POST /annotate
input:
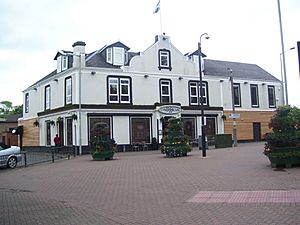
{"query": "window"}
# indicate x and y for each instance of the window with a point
(119, 90)
(194, 89)
(47, 97)
(164, 58)
(271, 96)
(119, 56)
(140, 130)
(62, 63)
(189, 127)
(165, 91)
(109, 55)
(68, 90)
(237, 95)
(254, 95)
(26, 102)
(99, 125)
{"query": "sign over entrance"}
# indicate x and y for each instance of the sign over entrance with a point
(170, 109)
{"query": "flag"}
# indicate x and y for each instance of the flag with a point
(157, 7)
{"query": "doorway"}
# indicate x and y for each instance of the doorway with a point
(256, 131)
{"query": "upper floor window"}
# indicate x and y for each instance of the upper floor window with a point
(194, 92)
(119, 90)
(47, 97)
(165, 91)
(26, 102)
(68, 90)
(237, 95)
(271, 96)
(164, 59)
(254, 95)
(115, 56)
(62, 63)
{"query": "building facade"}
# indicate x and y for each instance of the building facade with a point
(134, 93)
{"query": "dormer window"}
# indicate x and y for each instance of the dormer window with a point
(115, 56)
(164, 59)
(109, 55)
(62, 63)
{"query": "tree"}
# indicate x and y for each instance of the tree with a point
(7, 109)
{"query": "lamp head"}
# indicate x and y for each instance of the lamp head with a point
(207, 37)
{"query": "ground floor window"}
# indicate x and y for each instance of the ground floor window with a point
(140, 129)
(99, 125)
(210, 128)
(61, 132)
(189, 127)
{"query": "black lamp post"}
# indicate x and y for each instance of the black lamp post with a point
(201, 97)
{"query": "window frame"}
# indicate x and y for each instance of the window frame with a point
(26, 105)
(274, 96)
(196, 85)
(119, 89)
(109, 55)
(68, 101)
(238, 86)
(164, 53)
(252, 87)
(161, 94)
(47, 100)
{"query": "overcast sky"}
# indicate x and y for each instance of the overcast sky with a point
(240, 30)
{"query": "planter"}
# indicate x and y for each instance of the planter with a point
(103, 155)
(284, 157)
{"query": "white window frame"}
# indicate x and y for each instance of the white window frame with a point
(59, 64)
(196, 85)
(113, 81)
(109, 55)
(274, 97)
(47, 97)
(164, 54)
(254, 86)
(119, 56)
(124, 82)
(165, 83)
(237, 86)
(68, 90)
(27, 103)
(64, 62)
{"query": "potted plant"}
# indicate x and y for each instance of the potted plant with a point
(283, 144)
(102, 146)
(175, 143)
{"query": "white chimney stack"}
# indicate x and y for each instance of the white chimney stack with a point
(79, 54)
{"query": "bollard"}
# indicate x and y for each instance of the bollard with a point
(25, 159)
(53, 156)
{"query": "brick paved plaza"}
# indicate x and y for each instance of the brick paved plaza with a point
(229, 186)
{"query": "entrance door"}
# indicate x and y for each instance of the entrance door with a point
(256, 131)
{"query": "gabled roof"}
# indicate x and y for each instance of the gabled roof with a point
(195, 53)
(239, 70)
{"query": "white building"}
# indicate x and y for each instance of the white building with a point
(133, 94)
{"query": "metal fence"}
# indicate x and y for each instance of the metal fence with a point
(33, 156)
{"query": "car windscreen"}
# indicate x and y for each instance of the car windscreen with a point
(3, 146)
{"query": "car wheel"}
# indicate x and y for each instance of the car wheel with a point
(12, 162)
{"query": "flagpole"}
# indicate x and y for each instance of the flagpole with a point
(160, 18)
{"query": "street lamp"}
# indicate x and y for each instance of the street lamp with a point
(201, 97)
(234, 133)
(283, 76)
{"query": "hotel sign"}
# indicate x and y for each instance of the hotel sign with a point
(170, 109)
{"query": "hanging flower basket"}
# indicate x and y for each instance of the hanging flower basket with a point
(36, 123)
(59, 120)
(74, 117)
(52, 122)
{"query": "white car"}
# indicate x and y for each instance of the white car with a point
(10, 155)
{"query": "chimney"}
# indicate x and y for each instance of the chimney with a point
(79, 54)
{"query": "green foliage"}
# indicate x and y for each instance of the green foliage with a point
(175, 143)
(7, 109)
(102, 142)
(286, 128)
